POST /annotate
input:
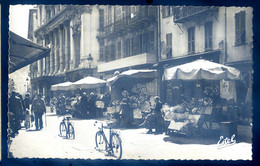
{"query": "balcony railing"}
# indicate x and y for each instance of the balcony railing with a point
(129, 21)
(186, 13)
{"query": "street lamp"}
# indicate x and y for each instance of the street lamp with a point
(27, 81)
(89, 59)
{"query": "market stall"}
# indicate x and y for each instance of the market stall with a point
(202, 99)
(68, 95)
(141, 86)
(61, 86)
(88, 83)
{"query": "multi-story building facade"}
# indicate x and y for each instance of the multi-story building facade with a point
(119, 38)
(128, 39)
(70, 32)
(219, 34)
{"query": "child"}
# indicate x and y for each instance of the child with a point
(27, 119)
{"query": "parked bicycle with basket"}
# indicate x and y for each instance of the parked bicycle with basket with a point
(66, 128)
(113, 145)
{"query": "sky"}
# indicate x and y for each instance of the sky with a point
(18, 22)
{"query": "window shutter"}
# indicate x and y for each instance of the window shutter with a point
(243, 26)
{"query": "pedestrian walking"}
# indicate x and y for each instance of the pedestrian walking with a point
(38, 108)
(23, 106)
(27, 101)
(14, 114)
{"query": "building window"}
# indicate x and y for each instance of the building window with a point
(101, 53)
(134, 10)
(240, 25)
(118, 13)
(127, 48)
(169, 45)
(145, 43)
(191, 40)
(106, 53)
(208, 35)
(109, 19)
(48, 14)
(112, 52)
(101, 18)
(140, 43)
(166, 11)
(152, 42)
(119, 49)
(137, 44)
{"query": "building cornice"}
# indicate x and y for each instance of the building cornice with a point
(66, 14)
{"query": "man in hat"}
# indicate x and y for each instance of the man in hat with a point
(154, 119)
(38, 108)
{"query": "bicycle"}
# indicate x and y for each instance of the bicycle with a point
(113, 146)
(66, 128)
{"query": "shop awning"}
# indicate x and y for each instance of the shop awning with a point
(133, 74)
(201, 69)
(61, 86)
(88, 83)
(23, 52)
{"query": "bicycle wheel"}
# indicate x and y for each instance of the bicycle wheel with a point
(116, 144)
(63, 129)
(71, 132)
(101, 142)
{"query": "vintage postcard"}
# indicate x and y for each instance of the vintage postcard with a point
(130, 82)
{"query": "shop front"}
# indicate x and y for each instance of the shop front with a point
(201, 98)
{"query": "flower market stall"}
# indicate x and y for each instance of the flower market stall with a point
(141, 86)
(200, 104)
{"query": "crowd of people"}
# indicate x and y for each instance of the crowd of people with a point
(94, 105)
(20, 112)
(82, 106)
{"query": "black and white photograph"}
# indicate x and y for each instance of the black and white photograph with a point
(137, 82)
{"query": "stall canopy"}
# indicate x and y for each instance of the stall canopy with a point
(88, 83)
(23, 52)
(201, 69)
(133, 74)
(61, 86)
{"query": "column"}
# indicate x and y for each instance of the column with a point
(47, 59)
(51, 52)
(43, 59)
(56, 53)
(72, 53)
(67, 46)
(61, 50)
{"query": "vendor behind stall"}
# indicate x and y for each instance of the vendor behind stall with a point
(154, 119)
(127, 112)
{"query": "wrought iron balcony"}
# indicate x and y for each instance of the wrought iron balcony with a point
(186, 13)
(130, 21)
